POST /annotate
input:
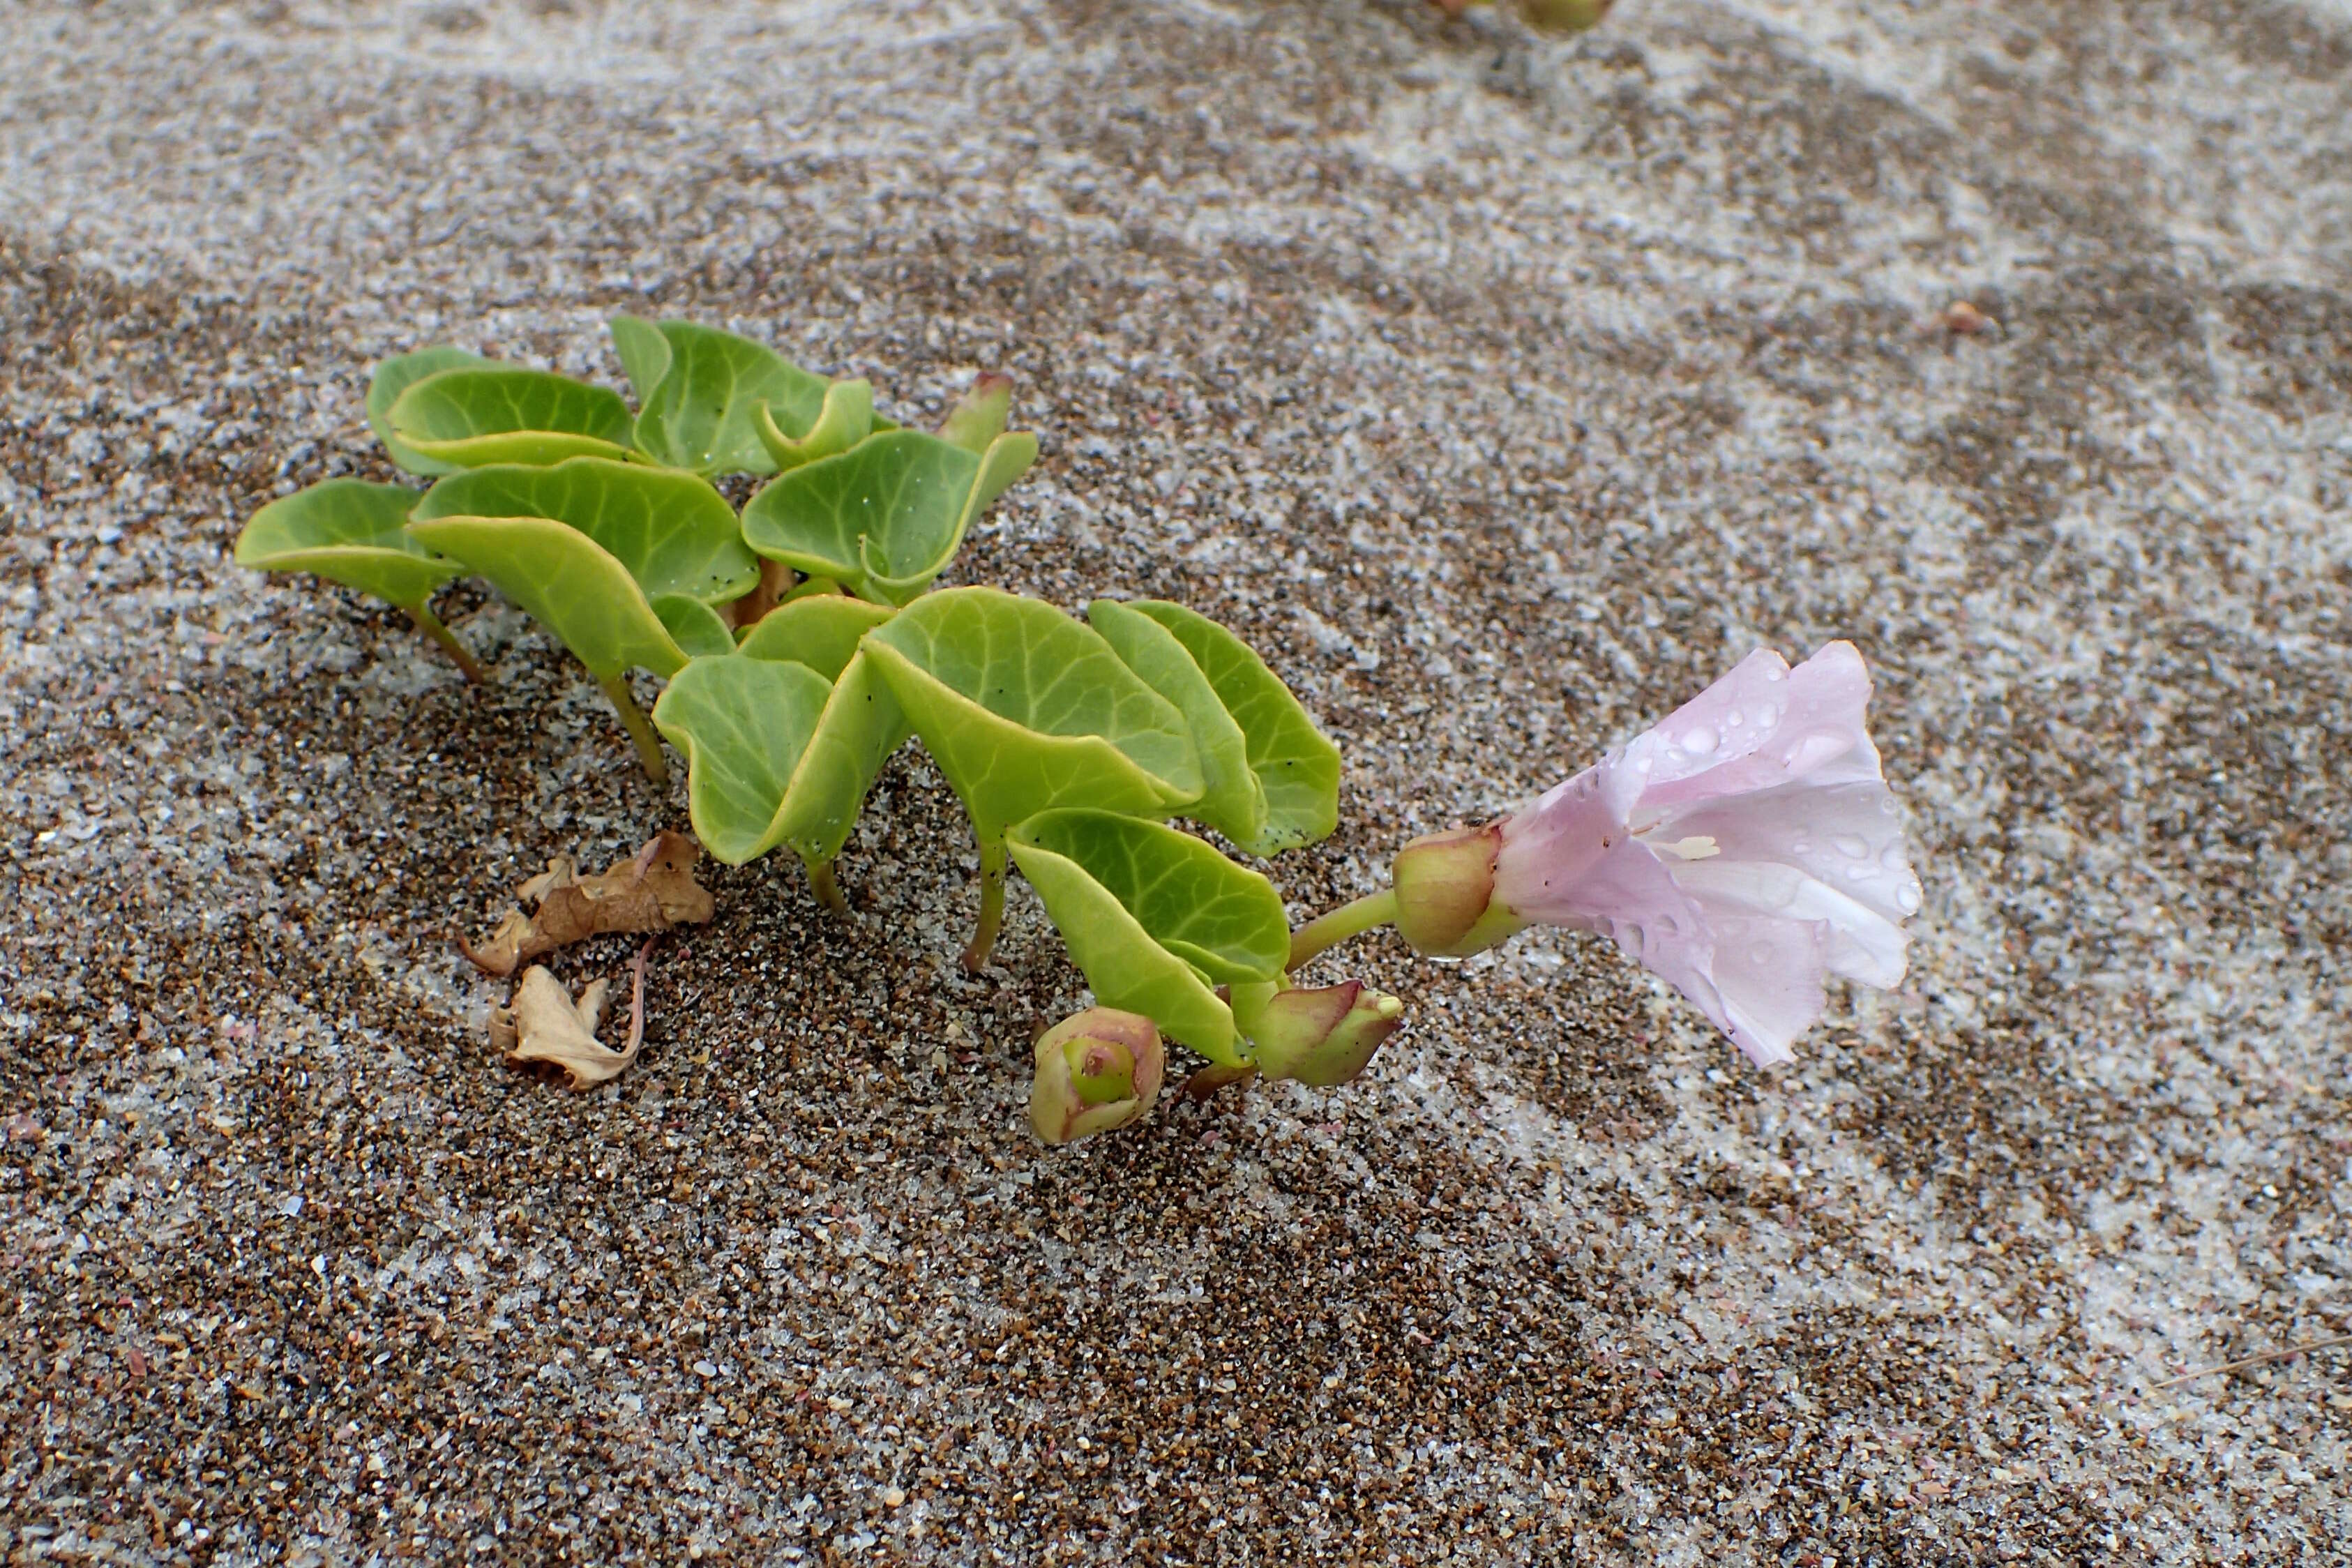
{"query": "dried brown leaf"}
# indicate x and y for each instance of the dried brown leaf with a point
(545, 1027)
(650, 893)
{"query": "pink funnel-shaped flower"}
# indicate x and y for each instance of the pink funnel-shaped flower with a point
(1741, 850)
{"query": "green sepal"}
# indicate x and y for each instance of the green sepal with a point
(1272, 778)
(470, 416)
(1155, 918)
(396, 376)
(350, 532)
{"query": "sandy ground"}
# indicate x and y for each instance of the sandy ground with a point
(1505, 392)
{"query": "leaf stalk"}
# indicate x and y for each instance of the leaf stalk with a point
(641, 731)
(1328, 930)
(430, 625)
(991, 906)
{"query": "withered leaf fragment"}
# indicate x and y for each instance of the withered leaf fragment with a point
(650, 893)
(545, 1026)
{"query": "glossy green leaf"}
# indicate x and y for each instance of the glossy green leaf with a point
(743, 724)
(884, 518)
(565, 581)
(821, 631)
(1272, 778)
(468, 416)
(350, 532)
(768, 764)
(845, 418)
(699, 404)
(694, 626)
(670, 531)
(644, 354)
(396, 376)
(1155, 918)
(1025, 709)
(862, 726)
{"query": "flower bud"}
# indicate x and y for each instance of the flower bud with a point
(1324, 1035)
(1563, 16)
(1096, 1070)
(1445, 893)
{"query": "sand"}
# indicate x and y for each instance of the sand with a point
(1505, 392)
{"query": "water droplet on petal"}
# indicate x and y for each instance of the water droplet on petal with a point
(1761, 952)
(1892, 856)
(1802, 846)
(1701, 741)
(1857, 873)
(1851, 848)
(1887, 805)
(1907, 897)
(1735, 719)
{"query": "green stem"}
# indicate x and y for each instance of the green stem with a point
(640, 730)
(827, 890)
(991, 905)
(1348, 919)
(430, 625)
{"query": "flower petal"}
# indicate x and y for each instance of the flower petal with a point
(1767, 975)
(1854, 940)
(1813, 728)
(1848, 836)
(1721, 725)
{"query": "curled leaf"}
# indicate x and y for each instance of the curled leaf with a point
(396, 376)
(1024, 708)
(544, 1027)
(472, 415)
(650, 892)
(843, 420)
(884, 518)
(351, 532)
(783, 738)
(710, 401)
(1155, 918)
(590, 547)
(1272, 777)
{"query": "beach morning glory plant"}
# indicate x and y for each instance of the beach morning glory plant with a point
(1743, 850)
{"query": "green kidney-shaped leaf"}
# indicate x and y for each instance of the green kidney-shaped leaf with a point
(821, 631)
(1154, 918)
(884, 518)
(470, 416)
(769, 762)
(351, 532)
(1026, 710)
(568, 582)
(702, 396)
(396, 376)
(845, 418)
(1272, 778)
(669, 531)
(694, 626)
(743, 724)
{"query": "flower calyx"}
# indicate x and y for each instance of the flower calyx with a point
(1446, 904)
